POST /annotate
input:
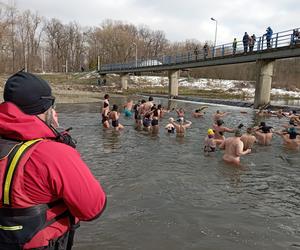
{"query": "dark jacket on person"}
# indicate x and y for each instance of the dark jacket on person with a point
(269, 33)
(246, 38)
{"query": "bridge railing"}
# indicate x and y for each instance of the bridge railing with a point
(278, 40)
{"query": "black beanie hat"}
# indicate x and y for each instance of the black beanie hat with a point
(29, 92)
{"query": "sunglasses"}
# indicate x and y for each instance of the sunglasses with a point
(52, 98)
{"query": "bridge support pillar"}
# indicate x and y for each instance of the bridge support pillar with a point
(173, 76)
(263, 82)
(124, 81)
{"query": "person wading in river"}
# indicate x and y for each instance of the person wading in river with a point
(114, 115)
(219, 115)
(105, 112)
(234, 148)
(47, 188)
(290, 138)
(181, 126)
(248, 139)
(219, 130)
(210, 143)
(264, 134)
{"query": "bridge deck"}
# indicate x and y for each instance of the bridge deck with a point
(284, 44)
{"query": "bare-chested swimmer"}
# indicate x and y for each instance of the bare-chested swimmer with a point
(248, 139)
(128, 108)
(148, 105)
(180, 114)
(219, 115)
(137, 115)
(181, 126)
(170, 127)
(234, 148)
(264, 134)
(290, 137)
(198, 112)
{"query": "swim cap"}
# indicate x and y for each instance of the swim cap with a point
(262, 124)
(210, 132)
(180, 119)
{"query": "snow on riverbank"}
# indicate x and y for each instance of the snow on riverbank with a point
(234, 86)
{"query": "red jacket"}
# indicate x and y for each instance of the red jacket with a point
(53, 171)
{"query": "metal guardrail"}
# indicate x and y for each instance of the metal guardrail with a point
(278, 40)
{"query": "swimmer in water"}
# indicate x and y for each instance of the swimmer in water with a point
(264, 134)
(106, 100)
(170, 127)
(114, 115)
(290, 138)
(105, 112)
(147, 121)
(128, 108)
(180, 113)
(248, 139)
(197, 113)
(234, 148)
(138, 116)
(220, 130)
(210, 143)
(155, 117)
(181, 126)
(219, 115)
(148, 105)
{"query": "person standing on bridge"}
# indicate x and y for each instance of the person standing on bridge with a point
(196, 52)
(234, 46)
(295, 36)
(205, 50)
(269, 36)
(252, 41)
(246, 39)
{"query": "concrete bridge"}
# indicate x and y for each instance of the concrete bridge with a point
(285, 44)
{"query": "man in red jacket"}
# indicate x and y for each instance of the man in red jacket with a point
(45, 187)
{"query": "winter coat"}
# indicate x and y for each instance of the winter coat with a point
(53, 171)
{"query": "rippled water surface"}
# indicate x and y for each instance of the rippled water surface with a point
(163, 193)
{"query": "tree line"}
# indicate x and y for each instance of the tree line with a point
(31, 41)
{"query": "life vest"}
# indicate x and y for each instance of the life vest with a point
(19, 225)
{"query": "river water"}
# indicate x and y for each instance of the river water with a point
(163, 193)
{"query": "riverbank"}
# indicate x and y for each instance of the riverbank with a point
(83, 87)
(69, 88)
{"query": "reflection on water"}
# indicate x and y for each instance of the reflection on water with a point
(163, 193)
(111, 141)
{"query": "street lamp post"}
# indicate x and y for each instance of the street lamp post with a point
(215, 33)
(135, 54)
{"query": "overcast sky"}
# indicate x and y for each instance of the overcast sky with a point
(180, 20)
